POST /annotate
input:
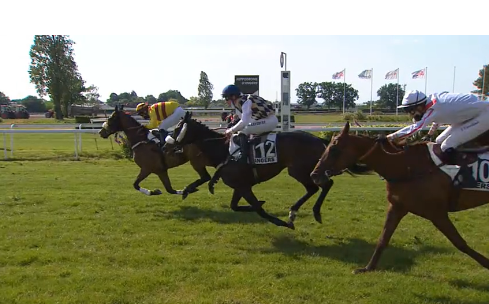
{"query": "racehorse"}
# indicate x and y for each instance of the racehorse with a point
(418, 181)
(297, 151)
(150, 159)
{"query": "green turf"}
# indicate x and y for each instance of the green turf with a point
(77, 232)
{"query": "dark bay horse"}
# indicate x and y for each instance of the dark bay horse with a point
(150, 159)
(297, 151)
(418, 181)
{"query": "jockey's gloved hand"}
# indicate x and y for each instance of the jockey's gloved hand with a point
(381, 138)
(427, 138)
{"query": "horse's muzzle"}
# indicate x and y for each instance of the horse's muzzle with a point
(320, 179)
(104, 133)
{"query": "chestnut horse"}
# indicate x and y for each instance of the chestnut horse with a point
(417, 182)
(150, 159)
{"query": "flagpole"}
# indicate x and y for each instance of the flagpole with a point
(397, 93)
(371, 89)
(453, 88)
(425, 80)
(483, 97)
(344, 90)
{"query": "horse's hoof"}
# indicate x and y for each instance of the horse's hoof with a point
(185, 194)
(360, 270)
(318, 217)
(211, 189)
(291, 225)
(156, 192)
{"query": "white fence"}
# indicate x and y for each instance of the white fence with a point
(96, 128)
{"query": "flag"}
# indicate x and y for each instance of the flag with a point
(418, 74)
(392, 74)
(367, 74)
(339, 75)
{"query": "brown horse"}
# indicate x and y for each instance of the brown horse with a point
(150, 159)
(297, 151)
(418, 181)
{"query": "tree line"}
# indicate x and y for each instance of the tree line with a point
(54, 73)
(333, 93)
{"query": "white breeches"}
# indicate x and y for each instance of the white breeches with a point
(260, 126)
(173, 119)
(456, 135)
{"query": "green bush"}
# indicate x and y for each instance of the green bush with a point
(126, 150)
(82, 119)
(417, 136)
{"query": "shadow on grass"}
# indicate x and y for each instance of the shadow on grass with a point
(475, 286)
(352, 251)
(446, 300)
(225, 216)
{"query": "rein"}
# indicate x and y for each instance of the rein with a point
(397, 180)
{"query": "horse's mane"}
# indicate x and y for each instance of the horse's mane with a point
(402, 144)
(206, 128)
(141, 130)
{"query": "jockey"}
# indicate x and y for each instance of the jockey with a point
(162, 115)
(257, 116)
(467, 116)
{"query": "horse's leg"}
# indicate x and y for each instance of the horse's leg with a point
(250, 197)
(235, 200)
(199, 167)
(141, 176)
(216, 176)
(303, 177)
(163, 175)
(394, 216)
(319, 202)
(445, 225)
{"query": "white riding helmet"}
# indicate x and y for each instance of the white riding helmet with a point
(412, 98)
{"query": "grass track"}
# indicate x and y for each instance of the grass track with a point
(76, 232)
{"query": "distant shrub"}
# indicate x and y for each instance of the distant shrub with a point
(82, 119)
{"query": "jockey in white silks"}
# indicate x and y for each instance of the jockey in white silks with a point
(467, 115)
(256, 114)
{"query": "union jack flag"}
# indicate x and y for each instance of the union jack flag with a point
(339, 75)
(392, 74)
(418, 74)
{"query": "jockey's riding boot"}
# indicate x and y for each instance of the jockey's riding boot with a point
(449, 156)
(163, 134)
(243, 144)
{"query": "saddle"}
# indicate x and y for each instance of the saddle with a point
(253, 139)
(463, 156)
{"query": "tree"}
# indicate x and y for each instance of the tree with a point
(92, 96)
(113, 99)
(150, 99)
(4, 99)
(333, 94)
(53, 69)
(478, 82)
(33, 104)
(307, 93)
(193, 102)
(172, 94)
(205, 90)
(389, 96)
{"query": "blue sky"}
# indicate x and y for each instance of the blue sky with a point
(154, 64)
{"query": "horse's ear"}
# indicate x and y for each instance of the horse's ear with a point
(116, 108)
(346, 128)
(121, 108)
